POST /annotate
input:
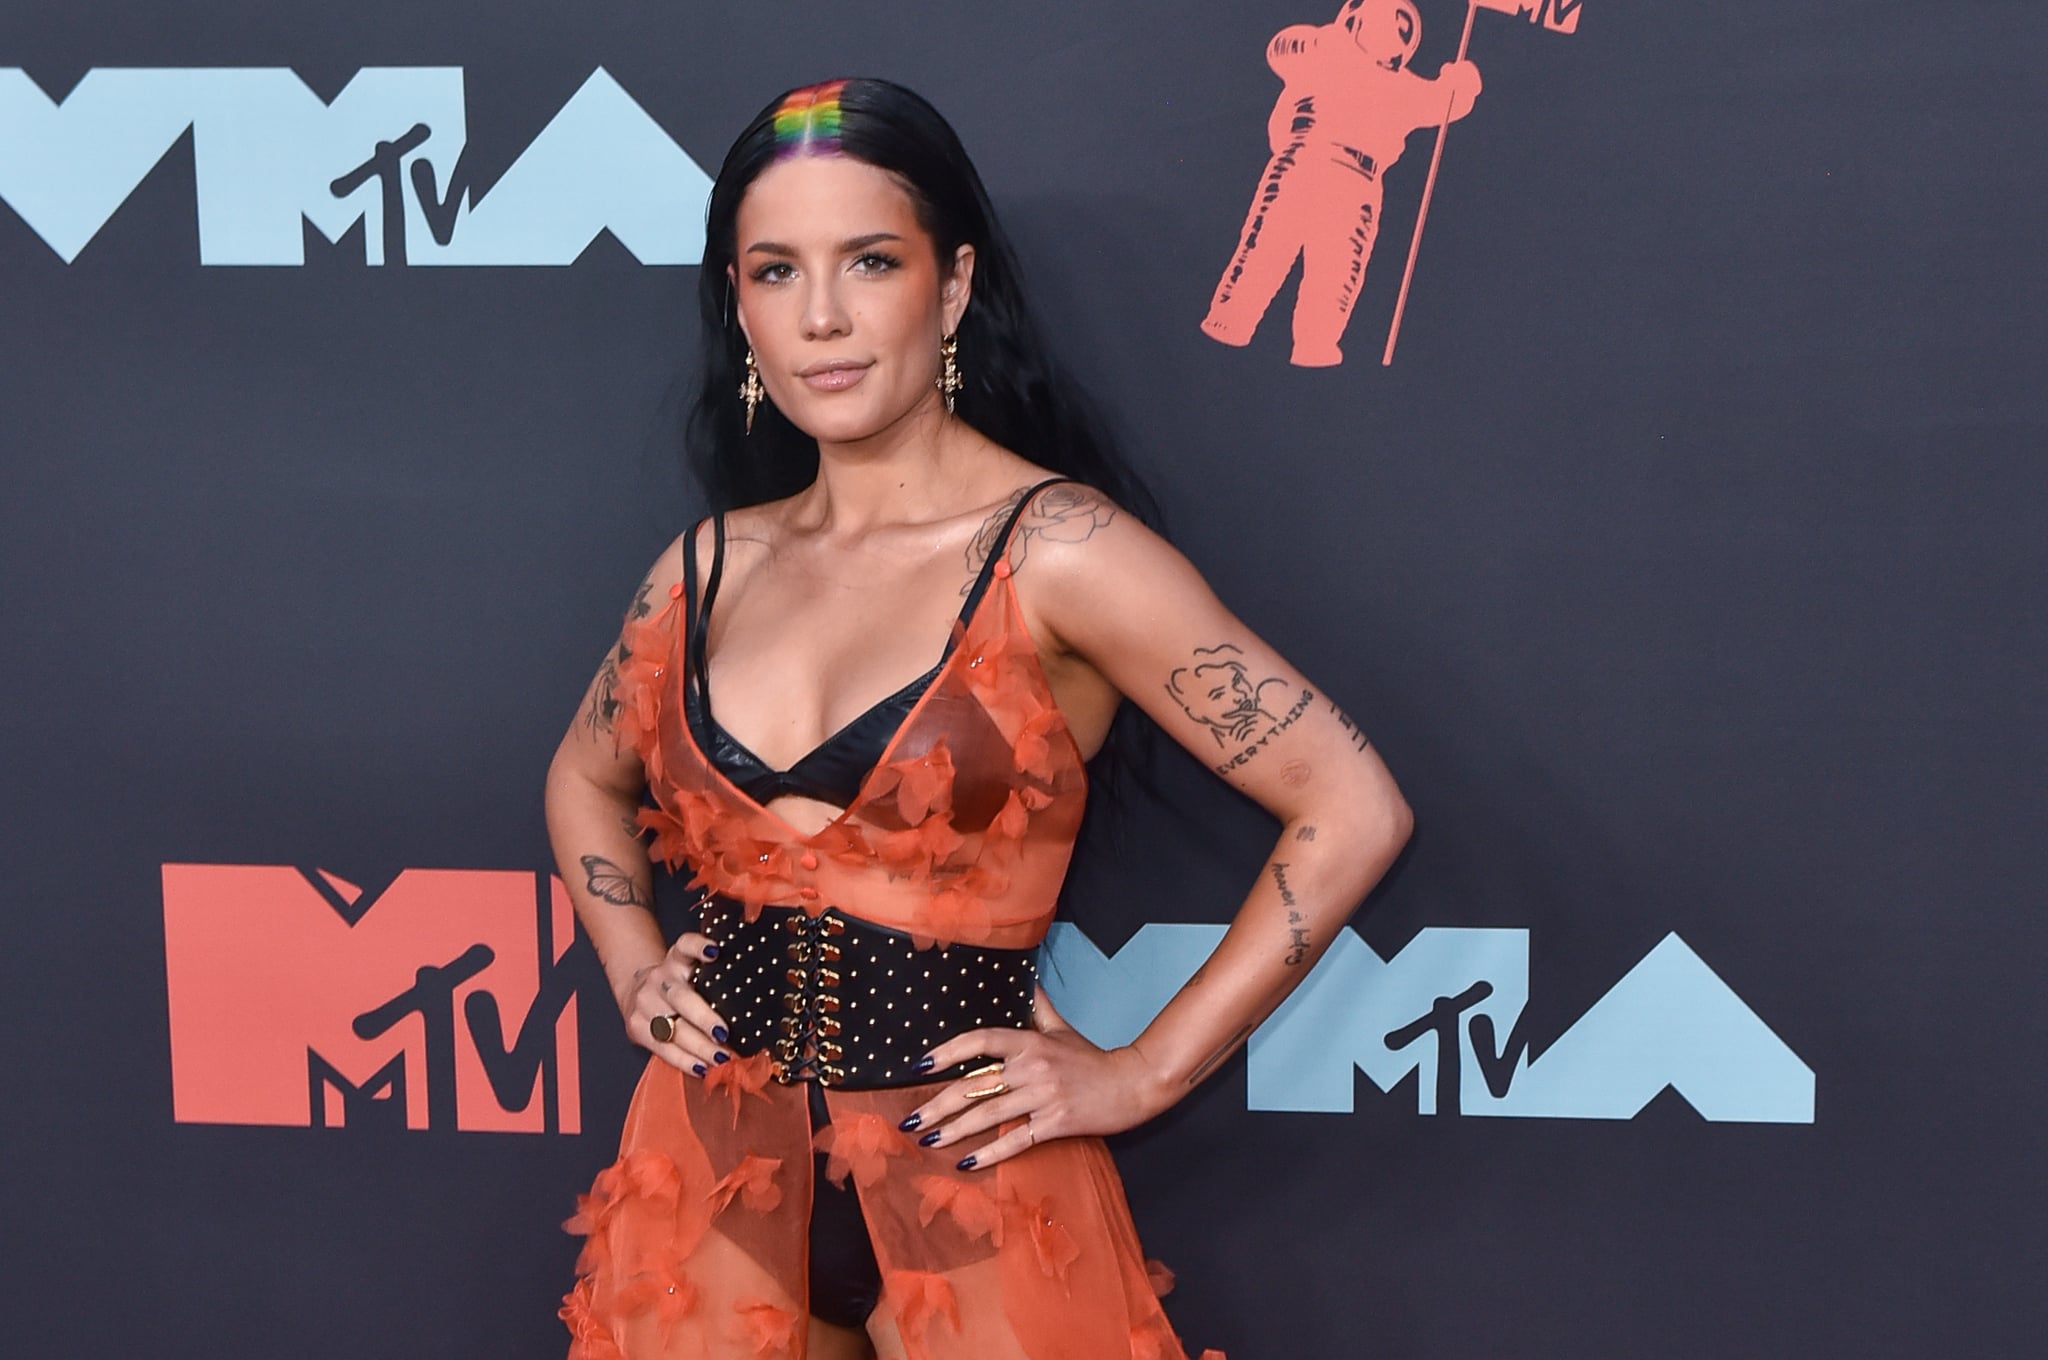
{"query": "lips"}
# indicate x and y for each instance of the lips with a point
(834, 375)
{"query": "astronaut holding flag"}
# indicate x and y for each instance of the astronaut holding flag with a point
(1348, 104)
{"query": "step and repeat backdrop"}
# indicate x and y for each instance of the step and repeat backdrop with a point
(1628, 411)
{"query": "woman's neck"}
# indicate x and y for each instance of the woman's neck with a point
(923, 467)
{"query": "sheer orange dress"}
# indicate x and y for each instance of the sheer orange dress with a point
(956, 843)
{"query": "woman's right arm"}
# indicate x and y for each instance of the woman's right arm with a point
(593, 797)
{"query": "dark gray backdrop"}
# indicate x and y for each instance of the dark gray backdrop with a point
(1686, 568)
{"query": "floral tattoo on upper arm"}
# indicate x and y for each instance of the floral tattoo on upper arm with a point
(1066, 513)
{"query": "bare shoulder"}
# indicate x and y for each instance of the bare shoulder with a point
(1063, 515)
(1088, 570)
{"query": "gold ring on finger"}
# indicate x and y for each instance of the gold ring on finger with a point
(985, 1070)
(663, 1028)
(985, 1092)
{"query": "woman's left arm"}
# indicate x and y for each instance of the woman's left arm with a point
(1125, 602)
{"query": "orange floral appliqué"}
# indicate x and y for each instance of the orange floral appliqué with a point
(862, 1144)
(754, 1180)
(958, 915)
(767, 1328)
(913, 853)
(637, 691)
(666, 1291)
(918, 1298)
(1033, 747)
(740, 1078)
(1050, 1242)
(972, 1207)
(589, 1338)
(671, 843)
(923, 784)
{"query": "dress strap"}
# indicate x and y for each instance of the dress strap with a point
(1000, 549)
(697, 614)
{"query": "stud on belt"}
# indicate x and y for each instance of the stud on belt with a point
(850, 1003)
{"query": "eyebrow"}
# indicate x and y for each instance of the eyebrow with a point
(849, 245)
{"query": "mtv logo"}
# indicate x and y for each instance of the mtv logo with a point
(298, 999)
(1448, 1007)
(388, 152)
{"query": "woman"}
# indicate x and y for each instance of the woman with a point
(866, 1131)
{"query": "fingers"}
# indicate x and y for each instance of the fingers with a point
(1020, 1139)
(693, 944)
(979, 1117)
(697, 1033)
(687, 1050)
(976, 1043)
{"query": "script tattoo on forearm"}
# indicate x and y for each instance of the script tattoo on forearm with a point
(1351, 729)
(1067, 513)
(1297, 924)
(1219, 1055)
(1307, 833)
(608, 882)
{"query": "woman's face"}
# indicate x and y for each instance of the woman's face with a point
(841, 297)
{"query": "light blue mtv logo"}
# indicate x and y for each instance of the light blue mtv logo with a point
(1449, 1007)
(269, 155)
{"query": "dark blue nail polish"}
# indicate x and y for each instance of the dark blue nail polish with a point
(710, 951)
(719, 1034)
(721, 1057)
(911, 1121)
(966, 1163)
(930, 1138)
(698, 1070)
(922, 1065)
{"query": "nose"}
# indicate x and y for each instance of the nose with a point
(825, 314)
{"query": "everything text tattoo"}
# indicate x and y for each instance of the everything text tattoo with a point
(1278, 725)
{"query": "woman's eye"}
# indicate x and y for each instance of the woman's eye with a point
(875, 263)
(767, 273)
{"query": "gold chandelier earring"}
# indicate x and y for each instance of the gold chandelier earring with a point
(751, 390)
(949, 380)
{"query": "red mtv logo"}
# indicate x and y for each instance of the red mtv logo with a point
(300, 1000)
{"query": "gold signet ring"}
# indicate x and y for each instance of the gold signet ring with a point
(663, 1028)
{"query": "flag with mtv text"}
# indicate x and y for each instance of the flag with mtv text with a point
(1559, 16)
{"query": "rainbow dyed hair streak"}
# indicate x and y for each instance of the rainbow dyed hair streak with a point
(807, 121)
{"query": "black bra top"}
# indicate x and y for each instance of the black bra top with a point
(833, 771)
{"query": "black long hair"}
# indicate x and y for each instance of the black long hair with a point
(1016, 394)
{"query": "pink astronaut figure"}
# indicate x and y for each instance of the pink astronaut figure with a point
(1347, 104)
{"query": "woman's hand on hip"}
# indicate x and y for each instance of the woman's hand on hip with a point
(1050, 1076)
(663, 991)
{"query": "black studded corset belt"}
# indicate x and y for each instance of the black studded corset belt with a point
(848, 1002)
